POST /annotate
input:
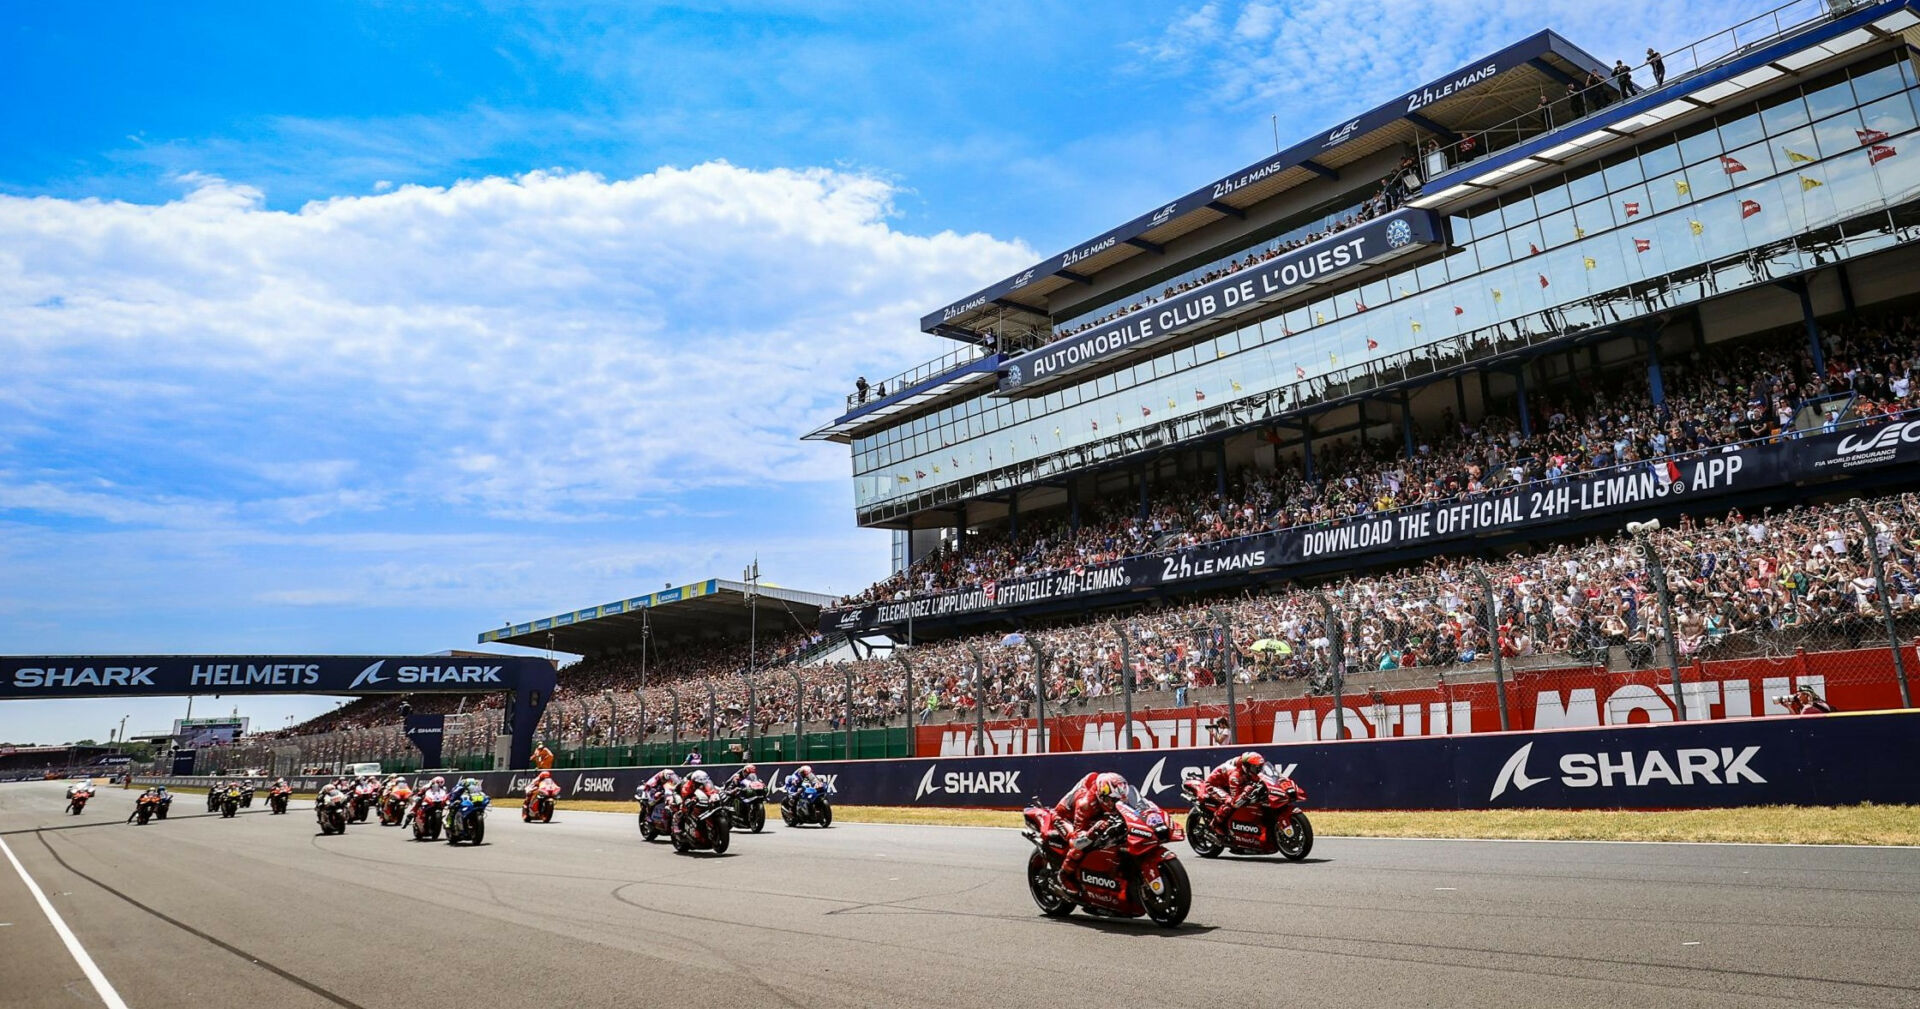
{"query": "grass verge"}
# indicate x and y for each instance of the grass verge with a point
(1863, 824)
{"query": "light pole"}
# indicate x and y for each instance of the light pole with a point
(751, 577)
(612, 735)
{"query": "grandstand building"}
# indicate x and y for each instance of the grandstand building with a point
(708, 612)
(1509, 236)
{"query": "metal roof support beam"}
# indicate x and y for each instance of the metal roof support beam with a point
(1221, 208)
(1430, 126)
(1551, 71)
(1153, 247)
(1078, 278)
(1321, 170)
(1014, 306)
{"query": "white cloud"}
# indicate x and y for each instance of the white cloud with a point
(1321, 60)
(440, 406)
(531, 345)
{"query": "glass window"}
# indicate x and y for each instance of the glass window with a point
(1741, 130)
(1826, 98)
(1525, 240)
(1594, 216)
(1795, 147)
(1658, 159)
(1632, 205)
(1757, 160)
(1839, 133)
(1699, 143)
(1623, 172)
(1788, 112)
(1878, 82)
(1587, 185)
(1550, 197)
(1891, 116)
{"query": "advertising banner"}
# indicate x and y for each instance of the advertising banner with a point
(183, 761)
(1638, 487)
(425, 732)
(1560, 698)
(1367, 244)
(127, 675)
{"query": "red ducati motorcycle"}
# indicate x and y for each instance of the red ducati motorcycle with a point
(1266, 820)
(1135, 874)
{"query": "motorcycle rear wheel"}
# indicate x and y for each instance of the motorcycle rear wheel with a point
(1297, 842)
(1169, 907)
(786, 816)
(1042, 884)
(1201, 837)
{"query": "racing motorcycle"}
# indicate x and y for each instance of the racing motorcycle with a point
(365, 794)
(145, 808)
(1133, 873)
(229, 801)
(810, 803)
(331, 811)
(277, 798)
(747, 804)
(77, 802)
(704, 823)
(467, 818)
(538, 805)
(246, 795)
(163, 803)
(428, 816)
(213, 798)
(656, 815)
(393, 804)
(1267, 819)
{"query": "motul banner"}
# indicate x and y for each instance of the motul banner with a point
(1577, 697)
(1635, 488)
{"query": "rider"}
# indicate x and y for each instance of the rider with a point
(1229, 783)
(1087, 830)
(533, 787)
(1063, 810)
(693, 785)
(154, 791)
(801, 777)
(747, 774)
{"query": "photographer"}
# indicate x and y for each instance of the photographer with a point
(1804, 702)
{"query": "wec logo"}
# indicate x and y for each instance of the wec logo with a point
(1626, 768)
(1886, 437)
(968, 783)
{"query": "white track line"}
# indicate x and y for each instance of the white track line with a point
(87, 966)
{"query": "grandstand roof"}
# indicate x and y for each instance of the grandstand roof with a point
(1490, 90)
(713, 608)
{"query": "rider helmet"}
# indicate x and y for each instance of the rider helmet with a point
(805, 771)
(749, 769)
(543, 775)
(439, 781)
(1250, 762)
(1108, 789)
(700, 778)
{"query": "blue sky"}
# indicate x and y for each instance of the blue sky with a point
(362, 327)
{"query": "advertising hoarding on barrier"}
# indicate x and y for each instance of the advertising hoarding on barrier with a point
(1369, 244)
(1823, 760)
(144, 675)
(1556, 698)
(1633, 488)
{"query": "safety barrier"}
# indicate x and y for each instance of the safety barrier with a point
(1809, 760)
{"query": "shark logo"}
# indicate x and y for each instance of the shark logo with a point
(927, 787)
(1515, 773)
(368, 676)
(1154, 784)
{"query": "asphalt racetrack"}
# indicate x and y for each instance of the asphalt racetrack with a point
(261, 911)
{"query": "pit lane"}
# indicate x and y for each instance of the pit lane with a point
(199, 911)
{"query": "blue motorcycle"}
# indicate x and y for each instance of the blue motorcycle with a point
(467, 818)
(808, 804)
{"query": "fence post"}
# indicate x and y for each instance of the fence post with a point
(752, 698)
(1490, 619)
(713, 717)
(1640, 535)
(847, 723)
(799, 709)
(1886, 601)
(640, 726)
(675, 727)
(908, 666)
(979, 703)
(1126, 687)
(1337, 652)
(1039, 691)
(1225, 628)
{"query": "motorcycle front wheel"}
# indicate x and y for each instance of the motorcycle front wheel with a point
(1168, 908)
(1043, 885)
(758, 820)
(1201, 838)
(722, 835)
(1296, 839)
(826, 815)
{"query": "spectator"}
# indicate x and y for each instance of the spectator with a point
(1657, 65)
(1623, 78)
(860, 388)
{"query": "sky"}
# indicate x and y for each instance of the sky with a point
(360, 328)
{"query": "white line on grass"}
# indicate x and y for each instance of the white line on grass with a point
(87, 966)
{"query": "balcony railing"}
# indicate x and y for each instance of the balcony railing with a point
(966, 354)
